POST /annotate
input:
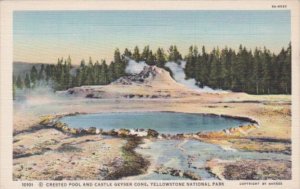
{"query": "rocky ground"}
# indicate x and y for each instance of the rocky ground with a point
(250, 169)
(59, 156)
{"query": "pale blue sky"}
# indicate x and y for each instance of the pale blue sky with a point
(43, 36)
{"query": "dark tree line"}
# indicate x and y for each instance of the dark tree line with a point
(64, 75)
(258, 72)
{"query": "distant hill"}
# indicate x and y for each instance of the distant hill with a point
(21, 68)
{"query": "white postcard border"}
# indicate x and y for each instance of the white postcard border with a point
(6, 57)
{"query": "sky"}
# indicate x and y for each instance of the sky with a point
(45, 36)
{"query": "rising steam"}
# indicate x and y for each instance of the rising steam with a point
(179, 76)
(134, 67)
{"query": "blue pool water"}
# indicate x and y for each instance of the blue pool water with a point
(163, 122)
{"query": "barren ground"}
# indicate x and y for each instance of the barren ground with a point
(41, 153)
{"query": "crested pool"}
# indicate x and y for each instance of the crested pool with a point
(163, 122)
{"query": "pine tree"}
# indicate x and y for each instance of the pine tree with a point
(286, 72)
(78, 78)
(226, 59)
(48, 72)
(244, 65)
(19, 83)
(127, 54)
(97, 72)
(136, 54)
(104, 79)
(41, 72)
(190, 63)
(90, 77)
(267, 67)
(111, 72)
(174, 55)
(150, 59)
(82, 71)
(204, 72)
(82, 63)
(33, 76)
(197, 64)
(275, 71)
(61, 83)
(119, 64)
(27, 81)
(248, 72)
(145, 53)
(216, 70)
(257, 71)
(160, 59)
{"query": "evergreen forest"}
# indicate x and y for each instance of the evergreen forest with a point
(257, 71)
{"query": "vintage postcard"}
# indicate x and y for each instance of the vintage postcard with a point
(149, 94)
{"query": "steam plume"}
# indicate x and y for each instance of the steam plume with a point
(179, 76)
(134, 67)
